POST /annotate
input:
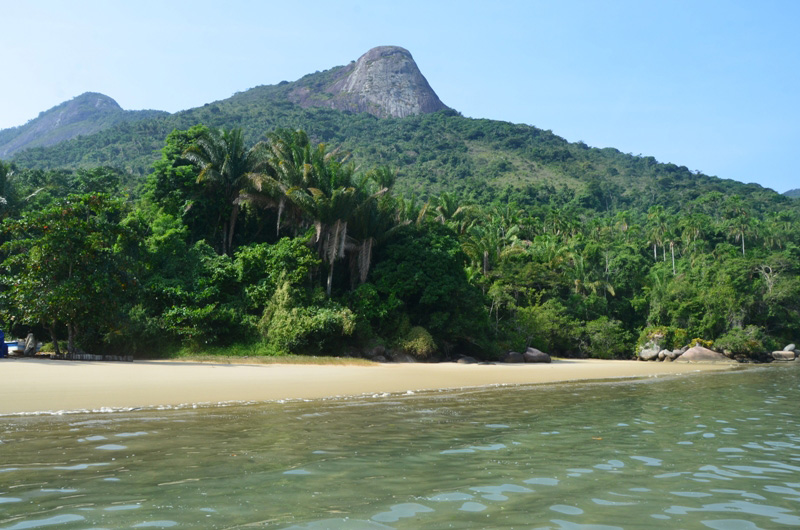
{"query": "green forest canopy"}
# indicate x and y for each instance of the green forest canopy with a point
(486, 237)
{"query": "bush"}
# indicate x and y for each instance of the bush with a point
(666, 337)
(548, 327)
(418, 343)
(293, 325)
(376, 314)
(748, 341)
(261, 267)
(701, 342)
(607, 339)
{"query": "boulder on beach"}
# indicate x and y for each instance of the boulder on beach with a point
(649, 354)
(532, 355)
(674, 354)
(402, 357)
(514, 357)
(699, 354)
(789, 347)
(466, 359)
(784, 355)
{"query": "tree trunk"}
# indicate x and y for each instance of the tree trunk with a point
(52, 330)
(672, 251)
(231, 225)
(330, 279)
(70, 338)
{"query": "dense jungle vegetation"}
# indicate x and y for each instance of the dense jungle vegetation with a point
(439, 236)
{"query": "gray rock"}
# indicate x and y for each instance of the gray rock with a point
(699, 354)
(790, 347)
(380, 359)
(784, 355)
(654, 344)
(674, 354)
(466, 359)
(30, 346)
(402, 357)
(663, 354)
(532, 355)
(650, 354)
(514, 357)
(376, 351)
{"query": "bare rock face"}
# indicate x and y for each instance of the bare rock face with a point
(385, 82)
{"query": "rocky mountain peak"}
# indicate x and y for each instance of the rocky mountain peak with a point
(82, 115)
(385, 82)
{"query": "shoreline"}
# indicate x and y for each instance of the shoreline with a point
(32, 386)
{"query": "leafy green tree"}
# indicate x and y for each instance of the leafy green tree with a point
(8, 193)
(64, 266)
(423, 268)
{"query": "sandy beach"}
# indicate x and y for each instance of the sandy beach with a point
(36, 385)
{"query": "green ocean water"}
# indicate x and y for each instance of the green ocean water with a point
(718, 451)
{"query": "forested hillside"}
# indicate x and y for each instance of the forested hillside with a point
(479, 159)
(253, 221)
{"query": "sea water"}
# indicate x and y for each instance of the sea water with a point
(718, 450)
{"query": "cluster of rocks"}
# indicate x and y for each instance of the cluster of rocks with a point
(652, 352)
(531, 355)
(382, 354)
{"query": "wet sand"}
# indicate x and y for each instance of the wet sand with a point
(39, 385)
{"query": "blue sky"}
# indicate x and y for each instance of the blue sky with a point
(711, 85)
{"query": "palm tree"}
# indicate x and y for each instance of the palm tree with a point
(287, 164)
(448, 210)
(329, 200)
(658, 228)
(582, 278)
(374, 217)
(739, 227)
(225, 169)
(486, 244)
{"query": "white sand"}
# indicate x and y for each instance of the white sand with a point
(39, 385)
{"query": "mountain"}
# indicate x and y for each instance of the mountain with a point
(353, 107)
(795, 194)
(84, 115)
(385, 82)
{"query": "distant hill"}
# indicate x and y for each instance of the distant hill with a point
(434, 148)
(795, 194)
(84, 115)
